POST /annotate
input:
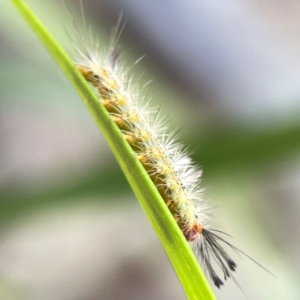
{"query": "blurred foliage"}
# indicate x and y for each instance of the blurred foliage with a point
(217, 152)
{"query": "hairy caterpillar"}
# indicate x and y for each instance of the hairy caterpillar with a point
(167, 162)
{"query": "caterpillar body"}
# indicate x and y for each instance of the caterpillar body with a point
(166, 161)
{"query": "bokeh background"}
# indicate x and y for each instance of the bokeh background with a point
(227, 73)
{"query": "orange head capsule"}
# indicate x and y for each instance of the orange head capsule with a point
(192, 234)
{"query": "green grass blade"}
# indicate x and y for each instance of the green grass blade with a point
(175, 245)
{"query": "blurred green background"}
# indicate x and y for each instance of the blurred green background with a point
(226, 73)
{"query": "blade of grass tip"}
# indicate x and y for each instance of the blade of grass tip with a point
(175, 245)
